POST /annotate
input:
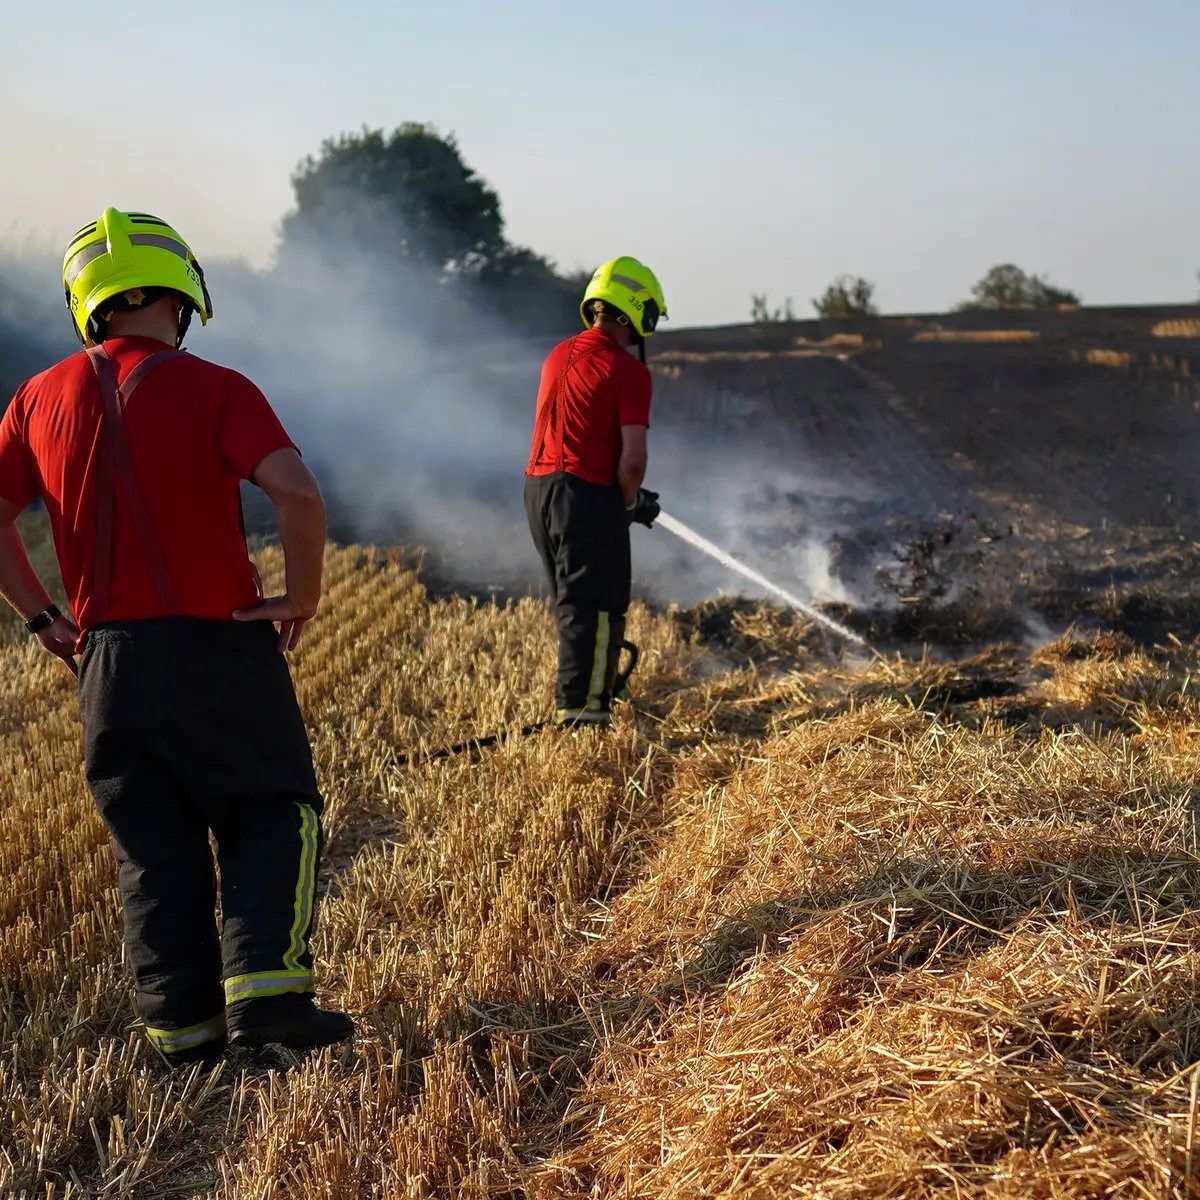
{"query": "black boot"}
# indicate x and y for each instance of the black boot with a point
(297, 1026)
(208, 1056)
(580, 718)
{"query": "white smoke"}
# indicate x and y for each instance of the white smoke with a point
(414, 403)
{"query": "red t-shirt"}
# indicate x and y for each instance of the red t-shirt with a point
(195, 431)
(590, 387)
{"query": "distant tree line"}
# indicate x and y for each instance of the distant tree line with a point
(395, 225)
(399, 218)
(847, 296)
(1005, 286)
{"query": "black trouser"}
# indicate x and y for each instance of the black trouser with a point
(581, 531)
(192, 727)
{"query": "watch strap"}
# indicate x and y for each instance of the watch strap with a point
(44, 619)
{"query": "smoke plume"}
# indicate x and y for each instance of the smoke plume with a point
(412, 396)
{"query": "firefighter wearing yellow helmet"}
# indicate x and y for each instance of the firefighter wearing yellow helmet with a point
(583, 486)
(191, 726)
(633, 290)
(126, 261)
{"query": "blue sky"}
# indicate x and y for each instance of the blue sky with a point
(738, 148)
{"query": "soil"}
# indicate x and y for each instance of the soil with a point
(964, 478)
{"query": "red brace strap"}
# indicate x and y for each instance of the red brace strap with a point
(116, 462)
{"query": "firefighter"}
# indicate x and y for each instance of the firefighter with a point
(190, 721)
(583, 483)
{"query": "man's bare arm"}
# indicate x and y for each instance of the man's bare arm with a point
(26, 593)
(631, 470)
(293, 490)
(19, 582)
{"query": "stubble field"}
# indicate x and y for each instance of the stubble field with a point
(795, 927)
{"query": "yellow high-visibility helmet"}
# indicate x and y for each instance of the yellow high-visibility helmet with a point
(631, 287)
(134, 257)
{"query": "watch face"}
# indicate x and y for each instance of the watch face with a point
(43, 620)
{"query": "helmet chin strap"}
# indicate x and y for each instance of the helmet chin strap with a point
(185, 319)
(636, 334)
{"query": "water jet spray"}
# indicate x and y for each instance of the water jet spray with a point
(680, 530)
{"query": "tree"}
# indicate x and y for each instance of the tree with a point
(400, 222)
(761, 313)
(1007, 286)
(407, 194)
(526, 290)
(847, 296)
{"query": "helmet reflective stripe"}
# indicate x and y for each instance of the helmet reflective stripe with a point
(86, 232)
(91, 253)
(161, 241)
(79, 261)
(631, 284)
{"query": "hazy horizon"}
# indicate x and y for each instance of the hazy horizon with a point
(915, 147)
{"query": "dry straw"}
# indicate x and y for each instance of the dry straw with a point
(917, 929)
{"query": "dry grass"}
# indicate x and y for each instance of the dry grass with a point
(1179, 367)
(793, 929)
(839, 345)
(835, 341)
(1120, 359)
(1179, 328)
(977, 337)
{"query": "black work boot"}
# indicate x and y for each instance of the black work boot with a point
(294, 1022)
(317, 1029)
(207, 1055)
(576, 719)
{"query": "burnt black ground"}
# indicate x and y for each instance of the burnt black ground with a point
(971, 477)
(945, 479)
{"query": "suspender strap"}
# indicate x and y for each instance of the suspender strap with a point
(116, 462)
(556, 412)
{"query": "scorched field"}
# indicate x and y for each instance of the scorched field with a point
(795, 927)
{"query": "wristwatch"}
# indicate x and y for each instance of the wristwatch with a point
(44, 619)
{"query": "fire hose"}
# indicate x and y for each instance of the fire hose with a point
(620, 683)
(680, 530)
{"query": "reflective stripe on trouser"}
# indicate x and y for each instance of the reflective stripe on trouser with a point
(600, 685)
(581, 532)
(174, 1041)
(595, 710)
(295, 974)
(190, 728)
(306, 889)
(260, 984)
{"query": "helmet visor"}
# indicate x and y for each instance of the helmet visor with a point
(650, 315)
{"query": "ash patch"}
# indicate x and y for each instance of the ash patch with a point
(740, 631)
(944, 561)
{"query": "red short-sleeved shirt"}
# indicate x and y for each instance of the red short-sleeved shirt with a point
(590, 387)
(195, 431)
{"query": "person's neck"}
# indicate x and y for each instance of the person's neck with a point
(155, 326)
(615, 330)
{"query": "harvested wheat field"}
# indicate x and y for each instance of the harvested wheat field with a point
(794, 928)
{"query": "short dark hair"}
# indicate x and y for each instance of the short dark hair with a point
(601, 310)
(131, 301)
